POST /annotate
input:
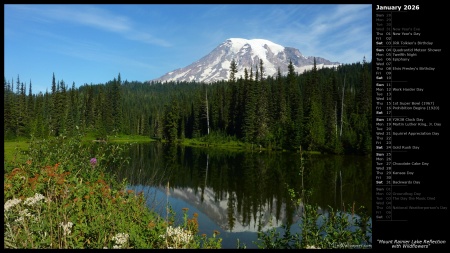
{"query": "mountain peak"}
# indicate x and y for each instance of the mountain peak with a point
(259, 45)
(247, 53)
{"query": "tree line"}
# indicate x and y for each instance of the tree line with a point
(327, 110)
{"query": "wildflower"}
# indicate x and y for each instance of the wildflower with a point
(11, 203)
(23, 213)
(178, 235)
(66, 227)
(121, 239)
(33, 200)
(93, 161)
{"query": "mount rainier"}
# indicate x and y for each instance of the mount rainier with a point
(247, 53)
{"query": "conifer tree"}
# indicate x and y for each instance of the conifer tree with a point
(262, 121)
(29, 110)
(89, 107)
(233, 110)
(171, 117)
(315, 135)
(54, 128)
(72, 109)
(116, 105)
(62, 107)
(250, 109)
(279, 112)
(8, 110)
(38, 128)
(295, 108)
(20, 120)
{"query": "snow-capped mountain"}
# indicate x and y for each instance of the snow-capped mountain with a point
(247, 53)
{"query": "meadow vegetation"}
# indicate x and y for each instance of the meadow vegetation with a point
(57, 195)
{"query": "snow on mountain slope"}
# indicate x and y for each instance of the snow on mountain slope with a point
(247, 53)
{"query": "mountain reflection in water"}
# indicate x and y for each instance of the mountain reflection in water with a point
(238, 193)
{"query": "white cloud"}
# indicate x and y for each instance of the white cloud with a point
(91, 16)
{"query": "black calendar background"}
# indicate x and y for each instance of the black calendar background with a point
(420, 225)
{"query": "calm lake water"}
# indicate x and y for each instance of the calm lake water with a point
(236, 193)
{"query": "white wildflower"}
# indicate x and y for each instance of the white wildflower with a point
(33, 200)
(121, 240)
(23, 213)
(11, 203)
(178, 235)
(66, 227)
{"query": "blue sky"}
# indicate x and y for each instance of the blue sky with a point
(94, 43)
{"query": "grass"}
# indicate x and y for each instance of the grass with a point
(129, 139)
(13, 149)
(230, 145)
(220, 140)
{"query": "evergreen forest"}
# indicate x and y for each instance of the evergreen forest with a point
(327, 110)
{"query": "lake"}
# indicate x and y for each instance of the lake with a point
(239, 192)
